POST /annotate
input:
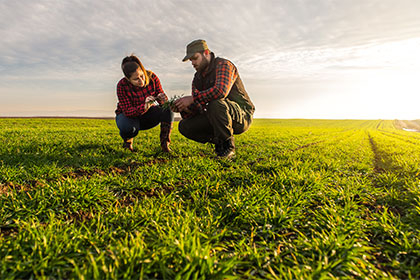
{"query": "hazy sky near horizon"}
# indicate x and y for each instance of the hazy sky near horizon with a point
(297, 58)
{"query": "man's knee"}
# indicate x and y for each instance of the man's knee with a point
(182, 127)
(196, 130)
(217, 107)
(187, 129)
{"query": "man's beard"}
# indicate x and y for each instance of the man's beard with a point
(203, 65)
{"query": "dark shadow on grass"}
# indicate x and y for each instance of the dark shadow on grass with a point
(382, 161)
(384, 165)
(79, 155)
(76, 158)
(399, 201)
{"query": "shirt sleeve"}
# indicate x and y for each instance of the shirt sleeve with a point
(158, 88)
(126, 105)
(226, 75)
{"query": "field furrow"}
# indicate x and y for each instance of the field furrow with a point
(303, 199)
(397, 187)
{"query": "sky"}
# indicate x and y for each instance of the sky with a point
(328, 59)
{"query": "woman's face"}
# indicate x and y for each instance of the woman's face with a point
(137, 78)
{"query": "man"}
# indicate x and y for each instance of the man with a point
(219, 105)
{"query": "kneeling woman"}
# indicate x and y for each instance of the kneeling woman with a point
(136, 109)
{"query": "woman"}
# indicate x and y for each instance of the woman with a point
(137, 94)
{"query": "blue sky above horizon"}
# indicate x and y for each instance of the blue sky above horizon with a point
(298, 59)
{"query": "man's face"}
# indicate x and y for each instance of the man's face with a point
(199, 62)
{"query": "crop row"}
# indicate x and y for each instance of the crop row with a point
(304, 199)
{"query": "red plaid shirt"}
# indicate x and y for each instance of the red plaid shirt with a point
(226, 74)
(131, 99)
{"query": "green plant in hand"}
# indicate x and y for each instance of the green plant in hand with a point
(168, 104)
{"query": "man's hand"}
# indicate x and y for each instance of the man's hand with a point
(183, 103)
(174, 108)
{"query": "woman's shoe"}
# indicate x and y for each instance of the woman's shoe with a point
(165, 147)
(128, 144)
(165, 136)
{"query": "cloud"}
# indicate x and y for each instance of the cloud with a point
(78, 32)
(77, 46)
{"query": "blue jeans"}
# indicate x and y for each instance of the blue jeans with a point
(130, 127)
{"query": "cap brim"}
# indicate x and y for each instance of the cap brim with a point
(188, 56)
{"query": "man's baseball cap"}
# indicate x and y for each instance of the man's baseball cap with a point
(195, 47)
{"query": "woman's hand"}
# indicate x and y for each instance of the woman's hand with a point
(162, 97)
(149, 102)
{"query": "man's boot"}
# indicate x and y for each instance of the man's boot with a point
(226, 150)
(165, 136)
(218, 148)
(128, 144)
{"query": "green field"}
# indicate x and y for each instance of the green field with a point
(303, 199)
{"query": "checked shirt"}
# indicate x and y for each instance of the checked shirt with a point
(131, 99)
(226, 75)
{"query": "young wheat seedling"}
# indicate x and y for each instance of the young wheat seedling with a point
(168, 104)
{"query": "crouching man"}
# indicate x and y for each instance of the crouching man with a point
(219, 105)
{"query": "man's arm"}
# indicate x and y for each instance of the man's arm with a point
(226, 75)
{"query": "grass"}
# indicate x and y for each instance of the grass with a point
(304, 199)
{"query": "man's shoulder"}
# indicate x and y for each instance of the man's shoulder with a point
(223, 61)
(220, 60)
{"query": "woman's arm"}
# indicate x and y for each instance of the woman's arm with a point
(160, 95)
(126, 104)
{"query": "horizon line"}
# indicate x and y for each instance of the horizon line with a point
(179, 118)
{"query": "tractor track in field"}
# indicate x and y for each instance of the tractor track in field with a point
(382, 161)
(382, 202)
(399, 137)
(376, 203)
(378, 156)
(379, 124)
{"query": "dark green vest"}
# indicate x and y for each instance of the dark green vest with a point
(237, 93)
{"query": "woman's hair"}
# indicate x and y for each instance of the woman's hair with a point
(130, 64)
